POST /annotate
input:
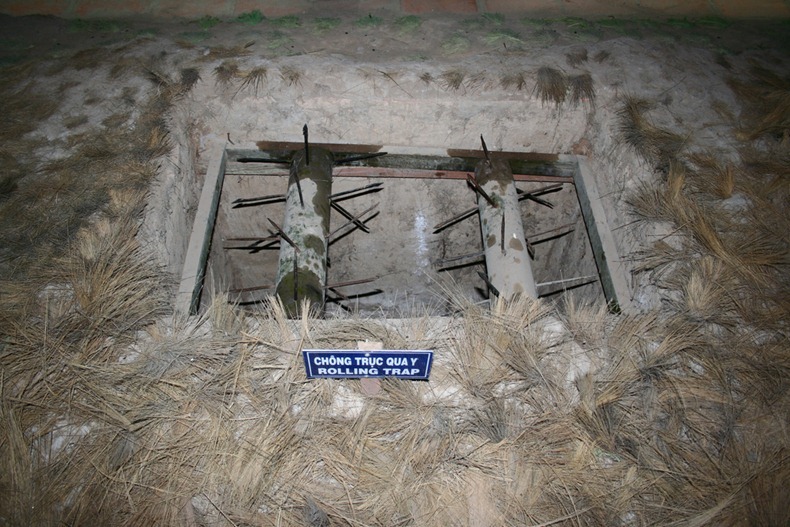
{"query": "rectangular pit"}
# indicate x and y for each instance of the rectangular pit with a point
(414, 267)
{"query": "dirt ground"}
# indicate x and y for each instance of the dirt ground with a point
(409, 82)
(116, 411)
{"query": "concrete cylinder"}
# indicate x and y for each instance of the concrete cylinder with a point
(508, 263)
(301, 274)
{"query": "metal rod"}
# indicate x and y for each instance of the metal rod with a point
(502, 234)
(471, 180)
(358, 217)
(354, 282)
(338, 293)
(561, 227)
(250, 289)
(254, 202)
(485, 148)
(443, 261)
(355, 193)
(472, 211)
(550, 288)
(296, 279)
(416, 173)
(491, 287)
(349, 216)
(251, 238)
(284, 236)
(452, 221)
(306, 148)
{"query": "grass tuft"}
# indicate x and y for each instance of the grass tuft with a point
(368, 21)
(496, 19)
(576, 57)
(452, 79)
(408, 23)
(551, 85)
(455, 44)
(286, 22)
(251, 18)
(254, 79)
(226, 72)
(602, 56)
(189, 77)
(655, 145)
(326, 23)
(516, 80)
(502, 35)
(767, 99)
(291, 75)
(207, 21)
(581, 89)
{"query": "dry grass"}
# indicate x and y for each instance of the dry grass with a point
(655, 145)
(226, 73)
(766, 98)
(189, 77)
(112, 413)
(291, 76)
(582, 90)
(576, 57)
(452, 79)
(254, 79)
(551, 85)
(516, 80)
(713, 177)
(723, 288)
(475, 81)
(602, 56)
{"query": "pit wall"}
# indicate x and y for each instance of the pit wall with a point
(274, 8)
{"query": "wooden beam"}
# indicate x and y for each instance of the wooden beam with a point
(246, 169)
(611, 268)
(194, 270)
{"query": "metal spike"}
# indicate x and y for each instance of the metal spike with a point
(306, 146)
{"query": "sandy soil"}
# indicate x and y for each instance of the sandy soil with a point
(634, 410)
(432, 83)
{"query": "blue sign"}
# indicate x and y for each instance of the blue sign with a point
(353, 364)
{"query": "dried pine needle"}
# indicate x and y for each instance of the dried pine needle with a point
(551, 85)
(516, 80)
(576, 57)
(476, 81)
(291, 75)
(601, 56)
(226, 72)
(582, 89)
(189, 77)
(452, 79)
(655, 145)
(254, 79)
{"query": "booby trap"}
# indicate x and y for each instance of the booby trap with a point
(397, 232)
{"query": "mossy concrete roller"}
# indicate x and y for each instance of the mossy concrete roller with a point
(301, 273)
(508, 262)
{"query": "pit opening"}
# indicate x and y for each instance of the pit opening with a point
(417, 253)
